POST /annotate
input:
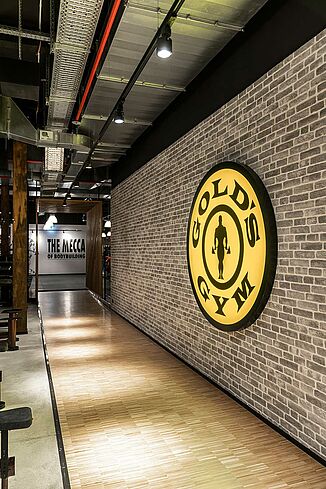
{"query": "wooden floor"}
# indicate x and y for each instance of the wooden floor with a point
(134, 417)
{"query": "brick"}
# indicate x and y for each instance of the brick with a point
(275, 126)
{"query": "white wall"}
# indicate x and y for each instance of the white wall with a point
(61, 250)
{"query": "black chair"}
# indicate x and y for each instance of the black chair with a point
(8, 319)
(11, 419)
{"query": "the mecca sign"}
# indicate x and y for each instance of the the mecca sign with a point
(64, 249)
(232, 246)
(61, 250)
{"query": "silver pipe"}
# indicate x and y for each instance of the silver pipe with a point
(40, 16)
(19, 29)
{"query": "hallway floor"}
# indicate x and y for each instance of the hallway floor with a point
(133, 416)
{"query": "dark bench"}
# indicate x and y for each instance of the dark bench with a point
(2, 403)
(11, 419)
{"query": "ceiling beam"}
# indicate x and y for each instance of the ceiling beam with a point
(111, 150)
(113, 145)
(97, 158)
(13, 31)
(135, 121)
(186, 17)
(140, 83)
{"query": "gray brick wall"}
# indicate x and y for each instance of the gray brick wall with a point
(278, 365)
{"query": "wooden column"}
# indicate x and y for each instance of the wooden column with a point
(20, 238)
(5, 220)
(36, 250)
(94, 249)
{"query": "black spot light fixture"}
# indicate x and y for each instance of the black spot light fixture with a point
(164, 43)
(119, 117)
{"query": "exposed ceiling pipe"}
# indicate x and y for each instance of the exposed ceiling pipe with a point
(19, 29)
(39, 28)
(176, 6)
(99, 53)
(40, 15)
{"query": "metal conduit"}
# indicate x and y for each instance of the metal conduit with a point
(13, 31)
(172, 13)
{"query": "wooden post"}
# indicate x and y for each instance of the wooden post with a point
(36, 250)
(20, 255)
(5, 221)
(94, 249)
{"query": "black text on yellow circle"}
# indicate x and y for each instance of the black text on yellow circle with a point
(232, 246)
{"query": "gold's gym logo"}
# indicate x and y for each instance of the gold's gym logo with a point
(232, 246)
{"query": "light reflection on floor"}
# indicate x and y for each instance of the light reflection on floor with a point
(133, 416)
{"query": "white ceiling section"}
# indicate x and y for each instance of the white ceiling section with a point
(201, 29)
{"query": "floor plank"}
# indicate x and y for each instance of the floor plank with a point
(135, 417)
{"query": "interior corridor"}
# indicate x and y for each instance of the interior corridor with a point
(133, 416)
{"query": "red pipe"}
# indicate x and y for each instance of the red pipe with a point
(99, 53)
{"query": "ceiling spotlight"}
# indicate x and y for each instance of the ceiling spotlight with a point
(103, 235)
(119, 117)
(164, 43)
(107, 224)
(52, 219)
(109, 234)
(88, 167)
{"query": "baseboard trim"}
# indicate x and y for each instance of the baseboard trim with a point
(57, 426)
(258, 415)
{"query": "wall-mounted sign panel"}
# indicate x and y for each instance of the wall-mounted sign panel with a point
(232, 246)
(61, 250)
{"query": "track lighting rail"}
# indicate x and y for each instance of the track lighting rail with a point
(140, 83)
(136, 122)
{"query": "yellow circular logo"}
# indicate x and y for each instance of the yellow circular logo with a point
(232, 246)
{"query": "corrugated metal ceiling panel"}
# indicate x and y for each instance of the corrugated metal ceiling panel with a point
(194, 45)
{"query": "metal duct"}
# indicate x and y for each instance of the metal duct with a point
(15, 125)
(76, 27)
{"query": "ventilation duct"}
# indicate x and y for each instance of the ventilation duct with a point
(15, 125)
(54, 159)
